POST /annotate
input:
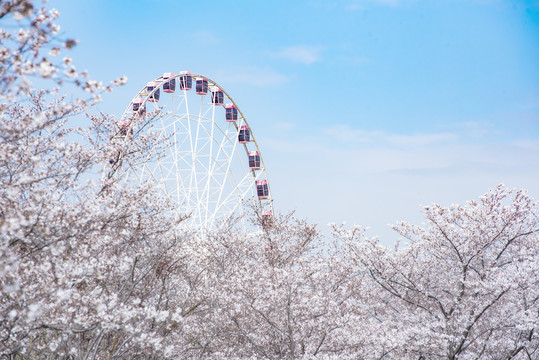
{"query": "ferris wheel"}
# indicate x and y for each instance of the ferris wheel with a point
(204, 157)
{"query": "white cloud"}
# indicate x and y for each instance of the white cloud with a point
(252, 75)
(284, 125)
(529, 145)
(474, 129)
(304, 54)
(204, 37)
(421, 139)
(345, 133)
(354, 5)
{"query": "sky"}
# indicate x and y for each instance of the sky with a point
(363, 109)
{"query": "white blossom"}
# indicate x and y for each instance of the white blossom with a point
(18, 16)
(120, 81)
(46, 69)
(4, 54)
(54, 13)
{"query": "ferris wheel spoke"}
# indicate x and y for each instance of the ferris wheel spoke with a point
(163, 167)
(240, 191)
(229, 163)
(193, 181)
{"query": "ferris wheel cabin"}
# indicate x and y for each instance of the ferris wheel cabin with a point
(217, 96)
(138, 107)
(153, 97)
(254, 160)
(201, 86)
(262, 189)
(170, 85)
(186, 81)
(231, 112)
(244, 136)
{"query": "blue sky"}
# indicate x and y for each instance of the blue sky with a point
(363, 109)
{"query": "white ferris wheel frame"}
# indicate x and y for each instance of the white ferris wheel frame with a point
(207, 210)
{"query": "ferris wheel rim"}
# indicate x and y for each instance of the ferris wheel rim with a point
(160, 81)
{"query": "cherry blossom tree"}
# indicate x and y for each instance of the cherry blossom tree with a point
(278, 294)
(75, 260)
(465, 286)
(91, 268)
